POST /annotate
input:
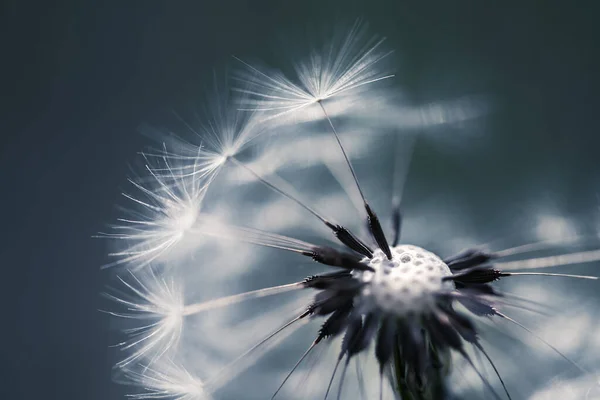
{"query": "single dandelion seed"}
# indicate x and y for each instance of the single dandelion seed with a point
(164, 210)
(166, 380)
(340, 67)
(158, 303)
(328, 74)
(218, 132)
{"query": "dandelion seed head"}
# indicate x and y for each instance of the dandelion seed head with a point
(408, 283)
(396, 299)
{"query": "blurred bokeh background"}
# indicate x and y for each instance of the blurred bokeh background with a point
(79, 78)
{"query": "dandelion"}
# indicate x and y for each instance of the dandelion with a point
(414, 312)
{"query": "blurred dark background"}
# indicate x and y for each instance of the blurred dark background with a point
(79, 78)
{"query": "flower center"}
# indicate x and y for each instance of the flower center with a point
(405, 284)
